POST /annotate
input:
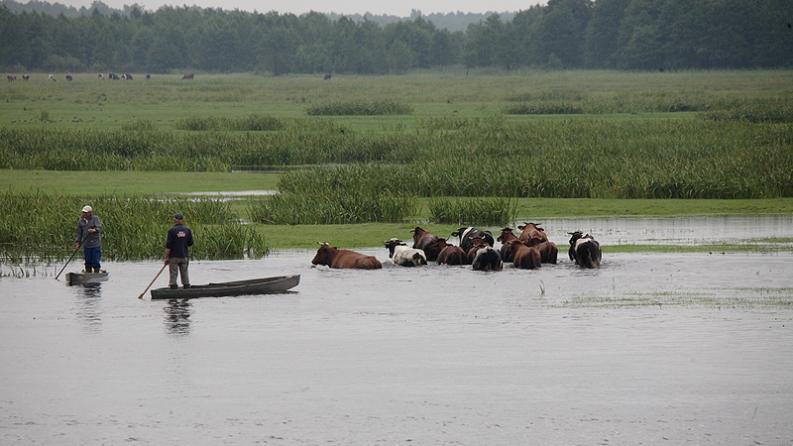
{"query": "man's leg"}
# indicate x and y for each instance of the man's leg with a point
(87, 259)
(173, 269)
(183, 272)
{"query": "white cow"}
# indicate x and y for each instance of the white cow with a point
(402, 255)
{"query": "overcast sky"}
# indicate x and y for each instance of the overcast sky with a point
(394, 7)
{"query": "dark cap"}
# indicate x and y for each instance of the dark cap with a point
(178, 216)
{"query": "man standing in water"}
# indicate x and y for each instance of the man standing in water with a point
(89, 236)
(176, 255)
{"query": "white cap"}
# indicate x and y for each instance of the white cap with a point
(87, 208)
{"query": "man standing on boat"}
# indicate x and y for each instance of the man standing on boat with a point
(176, 255)
(89, 236)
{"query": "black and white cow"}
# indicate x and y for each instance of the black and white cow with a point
(466, 236)
(584, 250)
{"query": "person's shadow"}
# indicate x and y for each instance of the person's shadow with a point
(177, 316)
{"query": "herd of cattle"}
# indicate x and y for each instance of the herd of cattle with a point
(109, 75)
(527, 250)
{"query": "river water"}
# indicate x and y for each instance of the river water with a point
(650, 349)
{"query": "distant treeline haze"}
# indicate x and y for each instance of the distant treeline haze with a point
(628, 34)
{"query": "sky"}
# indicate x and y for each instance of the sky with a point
(393, 7)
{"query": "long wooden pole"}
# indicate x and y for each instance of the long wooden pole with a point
(67, 262)
(153, 280)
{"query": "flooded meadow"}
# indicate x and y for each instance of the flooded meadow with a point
(653, 348)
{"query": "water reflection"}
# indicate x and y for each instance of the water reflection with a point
(177, 316)
(89, 306)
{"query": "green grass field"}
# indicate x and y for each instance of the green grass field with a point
(703, 134)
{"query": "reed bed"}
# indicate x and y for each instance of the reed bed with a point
(42, 226)
(360, 108)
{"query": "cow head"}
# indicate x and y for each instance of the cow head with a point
(393, 243)
(506, 235)
(324, 255)
(574, 236)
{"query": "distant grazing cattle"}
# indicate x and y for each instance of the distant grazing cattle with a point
(148, 76)
(484, 257)
(428, 243)
(467, 234)
(452, 255)
(69, 77)
(188, 76)
(343, 258)
(51, 77)
(506, 247)
(401, 255)
(532, 234)
(11, 77)
(524, 257)
(327, 77)
(112, 76)
(126, 77)
(25, 77)
(584, 250)
(100, 76)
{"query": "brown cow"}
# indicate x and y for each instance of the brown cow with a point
(188, 76)
(524, 257)
(428, 243)
(343, 258)
(532, 234)
(506, 247)
(548, 252)
(452, 255)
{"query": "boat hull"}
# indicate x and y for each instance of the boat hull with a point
(267, 285)
(86, 278)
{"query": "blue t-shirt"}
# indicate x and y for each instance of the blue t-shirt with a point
(179, 238)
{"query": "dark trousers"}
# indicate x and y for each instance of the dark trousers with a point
(93, 257)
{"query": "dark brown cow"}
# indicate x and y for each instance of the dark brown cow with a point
(69, 77)
(506, 247)
(524, 257)
(452, 255)
(188, 76)
(327, 76)
(428, 243)
(343, 258)
(532, 234)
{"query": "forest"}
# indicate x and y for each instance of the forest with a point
(564, 34)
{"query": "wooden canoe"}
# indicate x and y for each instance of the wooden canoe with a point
(266, 285)
(86, 278)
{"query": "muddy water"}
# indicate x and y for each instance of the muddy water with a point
(650, 349)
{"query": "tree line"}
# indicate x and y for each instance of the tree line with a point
(621, 34)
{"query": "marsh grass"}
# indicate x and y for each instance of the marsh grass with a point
(251, 123)
(360, 108)
(39, 225)
(333, 207)
(473, 211)
(544, 108)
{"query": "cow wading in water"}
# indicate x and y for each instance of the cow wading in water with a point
(431, 245)
(344, 258)
(584, 250)
(401, 255)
